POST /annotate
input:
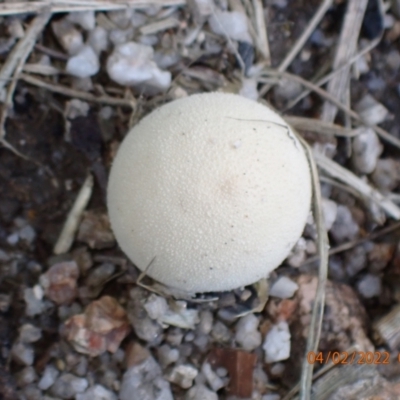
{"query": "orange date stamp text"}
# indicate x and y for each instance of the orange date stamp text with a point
(343, 357)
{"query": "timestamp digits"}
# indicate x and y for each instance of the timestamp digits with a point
(343, 357)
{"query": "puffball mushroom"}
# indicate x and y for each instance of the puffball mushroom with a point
(213, 188)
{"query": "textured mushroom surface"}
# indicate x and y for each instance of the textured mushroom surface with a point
(214, 187)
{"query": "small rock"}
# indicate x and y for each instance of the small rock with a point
(230, 23)
(366, 150)
(31, 392)
(121, 36)
(180, 316)
(371, 111)
(84, 63)
(200, 392)
(345, 227)
(167, 355)
(215, 381)
(329, 211)
(83, 258)
(60, 282)
(369, 286)
(102, 327)
(393, 60)
(98, 39)
(23, 353)
(206, 321)
(362, 65)
(67, 386)
(5, 302)
(271, 396)
(247, 334)
(76, 108)
(48, 378)
(298, 254)
(100, 275)
(283, 287)
(220, 332)
(387, 174)
(144, 382)
(27, 233)
(67, 35)
(277, 343)
(380, 255)
(156, 306)
(97, 392)
(29, 333)
(13, 239)
(249, 89)
(355, 260)
(131, 64)
(135, 354)
(144, 327)
(121, 18)
(201, 9)
(85, 19)
(26, 376)
(287, 89)
(201, 342)
(174, 337)
(183, 375)
(95, 231)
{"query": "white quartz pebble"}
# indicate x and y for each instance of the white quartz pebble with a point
(83, 64)
(277, 343)
(132, 64)
(283, 287)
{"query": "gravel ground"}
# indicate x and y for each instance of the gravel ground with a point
(74, 324)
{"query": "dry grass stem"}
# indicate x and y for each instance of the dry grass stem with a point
(15, 63)
(262, 33)
(324, 94)
(342, 174)
(71, 224)
(78, 94)
(61, 6)
(347, 46)
(336, 71)
(316, 19)
(321, 127)
(319, 301)
(356, 242)
(162, 25)
(322, 371)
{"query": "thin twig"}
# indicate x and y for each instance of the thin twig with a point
(321, 127)
(71, 224)
(338, 172)
(61, 6)
(261, 29)
(13, 67)
(324, 94)
(319, 301)
(23, 48)
(356, 242)
(78, 94)
(329, 76)
(316, 19)
(346, 48)
(322, 371)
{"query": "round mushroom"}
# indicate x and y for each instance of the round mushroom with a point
(213, 188)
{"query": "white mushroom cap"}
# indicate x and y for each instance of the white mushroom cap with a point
(214, 187)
